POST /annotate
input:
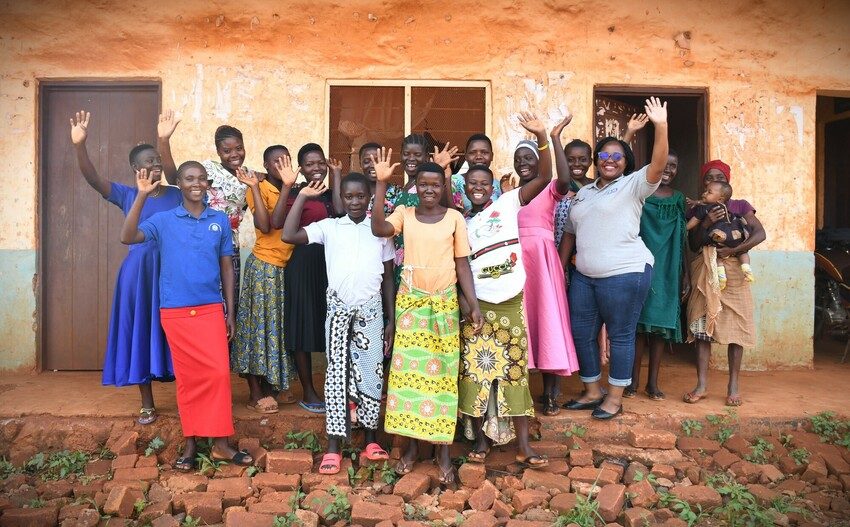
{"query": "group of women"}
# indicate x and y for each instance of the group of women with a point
(564, 275)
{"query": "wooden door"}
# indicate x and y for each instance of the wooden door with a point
(80, 251)
(836, 188)
(612, 118)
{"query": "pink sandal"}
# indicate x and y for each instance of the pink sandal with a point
(332, 462)
(374, 452)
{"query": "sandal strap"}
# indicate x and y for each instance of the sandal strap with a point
(147, 411)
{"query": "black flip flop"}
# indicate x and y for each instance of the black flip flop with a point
(184, 464)
(237, 459)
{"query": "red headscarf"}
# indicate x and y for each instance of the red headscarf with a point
(719, 165)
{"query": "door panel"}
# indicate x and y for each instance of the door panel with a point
(612, 119)
(80, 250)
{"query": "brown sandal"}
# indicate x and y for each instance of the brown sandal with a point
(734, 400)
(266, 405)
(692, 397)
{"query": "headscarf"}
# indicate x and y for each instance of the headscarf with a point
(531, 145)
(719, 165)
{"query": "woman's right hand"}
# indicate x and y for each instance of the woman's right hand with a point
(288, 173)
(313, 190)
(79, 127)
(383, 169)
(247, 177)
(714, 215)
(556, 131)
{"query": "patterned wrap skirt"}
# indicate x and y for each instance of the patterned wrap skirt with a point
(422, 391)
(258, 348)
(355, 337)
(494, 369)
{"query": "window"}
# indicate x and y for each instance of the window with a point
(384, 112)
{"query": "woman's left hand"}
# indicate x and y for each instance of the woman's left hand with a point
(725, 252)
(389, 338)
(476, 318)
(446, 156)
(335, 166)
(230, 322)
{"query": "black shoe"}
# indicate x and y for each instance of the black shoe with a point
(602, 415)
(572, 404)
(550, 408)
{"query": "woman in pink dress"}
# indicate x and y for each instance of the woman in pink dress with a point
(550, 339)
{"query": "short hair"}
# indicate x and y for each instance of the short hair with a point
(306, 149)
(627, 150)
(185, 165)
(268, 151)
(478, 137)
(368, 146)
(429, 166)
(416, 139)
(725, 189)
(671, 152)
(578, 143)
(354, 178)
(138, 149)
(225, 131)
(479, 168)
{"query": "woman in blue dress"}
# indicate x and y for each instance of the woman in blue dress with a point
(136, 349)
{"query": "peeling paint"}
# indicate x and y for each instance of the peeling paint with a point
(797, 112)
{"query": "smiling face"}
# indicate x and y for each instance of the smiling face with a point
(367, 165)
(478, 187)
(412, 155)
(193, 183)
(429, 187)
(671, 169)
(355, 199)
(579, 160)
(231, 151)
(712, 176)
(271, 159)
(479, 153)
(611, 168)
(149, 160)
(525, 164)
(314, 166)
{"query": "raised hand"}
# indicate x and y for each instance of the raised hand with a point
(314, 189)
(335, 166)
(247, 177)
(288, 174)
(556, 131)
(145, 182)
(383, 169)
(530, 122)
(168, 122)
(446, 156)
(508, 182)
(79, 127)
(636, 122)
(656, 111)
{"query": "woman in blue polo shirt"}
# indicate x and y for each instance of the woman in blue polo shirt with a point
(196, 246)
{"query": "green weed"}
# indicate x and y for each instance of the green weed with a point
(154, 446)
(388, 474)
(584, 514)
(140, 505)
(724, 423)
(640, 476)
(800, 456)
(576, 431)
(6, 468)
(682, 508)
(36, 503)
(689, 426)
(188, 521)
(340, 508)
(306, 439)
(759, 452)
(739, 508)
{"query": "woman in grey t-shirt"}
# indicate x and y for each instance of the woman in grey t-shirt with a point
(613, 266)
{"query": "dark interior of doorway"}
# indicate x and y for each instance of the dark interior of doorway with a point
(687, 126)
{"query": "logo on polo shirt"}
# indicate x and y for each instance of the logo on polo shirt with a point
(215, 227)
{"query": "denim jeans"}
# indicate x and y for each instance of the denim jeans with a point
(617, 302)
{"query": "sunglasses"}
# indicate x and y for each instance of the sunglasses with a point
(605, 156)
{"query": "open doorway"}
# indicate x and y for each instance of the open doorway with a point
(832, 237)
(688, 125)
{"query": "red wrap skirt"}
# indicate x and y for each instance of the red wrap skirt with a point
(197, 336)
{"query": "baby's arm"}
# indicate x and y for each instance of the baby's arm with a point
(692, 223)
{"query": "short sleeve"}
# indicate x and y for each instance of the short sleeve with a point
(397, 219)
(458, 192)
(741, 207)
(316, 231)
(639, 186)
(700, 212)
(569, 226)
(151, 226)
(461, 240)
(387, 250)
(225, 246)
(120, 195)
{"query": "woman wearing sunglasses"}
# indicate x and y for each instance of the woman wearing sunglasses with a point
(614, 267)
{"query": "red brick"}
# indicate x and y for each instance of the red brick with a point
(792, 485)
(276, 481)
(737, 444)
(472, 475)
(99, 467)
(55, 489)
(663, 471)
(647, 438)
(412, 485)
(502, 509)
(691, 444)
(481, 519)
(821, 499)
(814, 470)
(148, 461)
(40, 517)
(128, 461)
(157, 493)
(483, 498)
(235, 489)
(455, 501)
(317, 501)
(835, 464)
(134, 474)
(647, 456)
(205, 506)
(370, 514)
(528, 523)
(390, 499)
(313, 481)
(131, 483)
(248, 519)
(602, 477)
(253, 446)
(638, 517)
(187, 483)
(165, 521)
(526, 499)
(289, 461)
(88, 518)
(839, 504)
(71, 510)
(763, 495)
(153, 511)
(611, 500)
(633, 470)
(618, 468)
(581, 458)
(845, 482)
(724, 459)
(553, 449)
(770, 473)
(706, 497)
(534, 478)
(277, 508)
(121, 501)
(747, 470)
(563, 503)
(643, 495)
(123, 444)
(557, 466)
(673, 522)
(307, 518)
